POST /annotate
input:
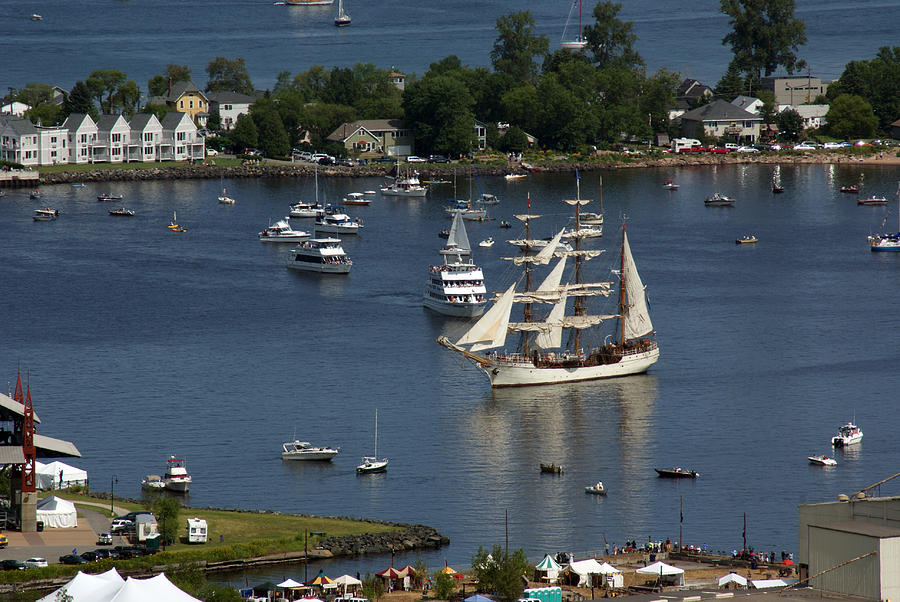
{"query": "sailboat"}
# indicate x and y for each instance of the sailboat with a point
(342, 19)
(225, 199)
(579, 41)
(542, 357)
(372, 463)
(886, 241)
(456, 288)
(173, 225)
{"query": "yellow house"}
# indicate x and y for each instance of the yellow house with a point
(186, 97)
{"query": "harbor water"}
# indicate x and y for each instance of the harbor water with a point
(140, 343)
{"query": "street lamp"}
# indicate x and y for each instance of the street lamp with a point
(112, 493)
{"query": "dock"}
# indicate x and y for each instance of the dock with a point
(19, 178)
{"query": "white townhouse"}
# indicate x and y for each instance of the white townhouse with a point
(53, 145)
(813, 116)
(19, 140)
(82, 133)
(180, 141)
(146, 136)
(114, 134)
(230, 106)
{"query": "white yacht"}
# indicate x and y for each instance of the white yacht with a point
(177, 477)
(408, 186)
(336, 222)
(456, 288)
(848, 434)
(307, 210)
(281, 231)
(320, 255)
(304, 450)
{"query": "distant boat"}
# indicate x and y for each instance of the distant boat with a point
(372, 463)
(886, 241)
(487, 243)
(173, 225)
(853, 188)
(45, 215)
(677, 473)
(308, 2)
(579, 41)
(303, 450)
(719, 200)
(281, 231)
(552, 468)
(822, 461)
(36, 17)
(597, 489)
(34, 194)
(670, 184)
(79, 185)
(104, 197)
(776, 189)
(356, 198)
(746, 240)
(153, 482)
(122, 211)
(515, 176)
(342, 19)
(177, 477)
(873, 200)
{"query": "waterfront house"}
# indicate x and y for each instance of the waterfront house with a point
(691, 93)
(748, 103)
(186, 97)
(794, 89)
(82, 133)
(146, 136)
(180, 141)
(371, 137)
(720, 119)
(53, 145)
(113, 135)
(19, 141)
(480, 135)
(813, 116)
(14, 108)
(229, 106)
(398, 79)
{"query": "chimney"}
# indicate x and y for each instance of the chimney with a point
(170, 86)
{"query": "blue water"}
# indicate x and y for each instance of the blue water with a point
(141, 38)
(140, 343)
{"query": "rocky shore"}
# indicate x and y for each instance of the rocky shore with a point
(283, 169)
(412, 538)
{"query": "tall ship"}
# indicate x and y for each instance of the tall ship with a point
(566, 343)
(456, 288)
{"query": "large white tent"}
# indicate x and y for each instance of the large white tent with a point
(153, 589)
(585, 568)
(666, 572)
(88, 588)
(59, 475)
(56, 512)
(732, 578)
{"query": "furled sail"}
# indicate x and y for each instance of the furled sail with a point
(637, 318)
(458, 236)
(544, 256)
(490, 331)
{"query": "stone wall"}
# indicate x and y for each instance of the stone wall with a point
(413, 537)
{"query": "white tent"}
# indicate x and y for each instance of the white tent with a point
(59, 475)
(347, 581)
(549, 567)
(732, 578)
(57, 513)
(770, 583)
(153, 589)
(290, 583)
(88, 588)
(584, 569)
(666, 573)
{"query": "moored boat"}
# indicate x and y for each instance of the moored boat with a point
(719, 200)
(822, 460)
(106, 197)
(336, 222)
(848, 434)
(281, 231)
(342, 19)
(596, 489)
(776, 188)
(122, 211)
(45, 215)
(356, 198)
(225, 199)
(308, 2)
(853, 188)
(887, 241)
(35, 194)
(515, 176)
(324, 255)
(677, 473)
(404, 186)
(747, 240)
(670, 184)
(153, 482)
(873, 200)
(487, 243)
(579, 41)
(552, 468)
(177, 477)
(371, 464)
(304, 450)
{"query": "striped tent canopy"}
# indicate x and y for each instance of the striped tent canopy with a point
(548, 564)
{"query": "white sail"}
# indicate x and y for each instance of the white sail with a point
(543, 257)
(637, 318)
(525, 216)
(552, 338)
(579, 322)
(490, 331)
(458, 235)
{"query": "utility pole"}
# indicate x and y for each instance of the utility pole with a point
(507, 530)
(112, 493)
(745, 530)
(680, 523)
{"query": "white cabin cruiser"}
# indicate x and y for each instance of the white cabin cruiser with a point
(324, 255)
(281, 231)
(456, 288)
(153, 482)
(822, 461)
(304, 450)
(335, 222)
(307, 210)
(177, 477)
(848, 434)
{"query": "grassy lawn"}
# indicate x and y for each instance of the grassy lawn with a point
(67, 168)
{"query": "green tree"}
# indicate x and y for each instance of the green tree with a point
(311, 83)
(657, 96)
(500, 572)
(158, 110)
(270, 130)
(372, 587)
(877, 81)
(732, 84)
(178, 73)
(105, 83)
(611, 40)
(438, 109)
(850, 116)
(283, 82)
(34, 94)
(166, 510)
(157, 85)
(45, 114)
(765, 34)
(127, 97)
(514, 140)
(79, 100)
(244, 134)
(769, 108)
(522, 107)
(228, 76)
(518, 47)
(444, 585)
(320, 119)
(790, 124)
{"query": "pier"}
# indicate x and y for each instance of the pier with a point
(18, 178)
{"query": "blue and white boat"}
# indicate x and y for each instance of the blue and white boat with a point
(887, 242)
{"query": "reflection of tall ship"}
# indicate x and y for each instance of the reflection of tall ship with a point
(308, 2)
(456, 288)
(542, 356)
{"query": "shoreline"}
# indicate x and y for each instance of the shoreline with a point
(278, 169)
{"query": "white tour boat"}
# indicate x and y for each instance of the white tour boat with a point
(848, 434)
(177, 477)
(304, 450)
(281, 231)
(323, 255)
(456, 288)
(372, 463)
(543, 355)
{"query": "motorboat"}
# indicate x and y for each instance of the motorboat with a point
(852, 189)
(307, 210)
(887, 241)
(281, 231)
(597, 489)
(371, 464)
(34, 194)
(490, 199)
(79, 185)
(45, 215)
(304, 450)
(505, 224)
(176, 477)
(467, 211)
(848, 434)
(531, 245)
(670, 184)
(105, 197)
(822, 461)
(873, 200)
(677, 473)
(588, 218)
(515, 176)
(408, 186)
(153, 482)
(719, 200)
(308, 2)
(456, 288)
(122, 211)
(776, 189)
(324, 255)
(336, 222)
(488, 243)
(36, 17)
(746, 240)
(356, 198)
(372, 192)
(552, 468)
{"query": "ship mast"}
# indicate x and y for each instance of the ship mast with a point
(527, 308)
(578, 308)
(622, 290)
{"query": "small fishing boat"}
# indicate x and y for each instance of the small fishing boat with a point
(873, 200)
(45, 215)
(505, 224)
(848, 434)
(34, 194)
(853, 188)
(670, 184)
(79, 185)
(369, 192)
(597, 489)
(487, 243)
(822, 461)
(356, 198)
(515, 176)
(677, 473)
(445, 233)
(281, 231)
(122, 211)
(552, 468)
(747, 240)
(173, 225)
(719, 200)
(36, 17)
(103, 197)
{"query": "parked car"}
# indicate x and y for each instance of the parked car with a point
(414, 159)
(719, 150)
(70, 559)
(347, 162)
(211, 152)
(385, 159)
(803, 146)
(35, 562)
(438, 159)
(104, 539)
(11, 565)
(4, 541)
(747, 149)
(90, 556)
(732, 146)
(305, 155)
(831, 145)
(121, 525)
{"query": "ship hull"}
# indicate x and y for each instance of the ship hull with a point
(523, 374)
(459, 310)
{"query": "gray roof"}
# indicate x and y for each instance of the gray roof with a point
(74, 121)
(12, 454)
(140, 120)
(181, 88)
(744, 101)
(346, 130)
(50, 447)
(10, 409)
(719, 110)
(232, 97)
(106, 122)
(172, 119)
(21, 126)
